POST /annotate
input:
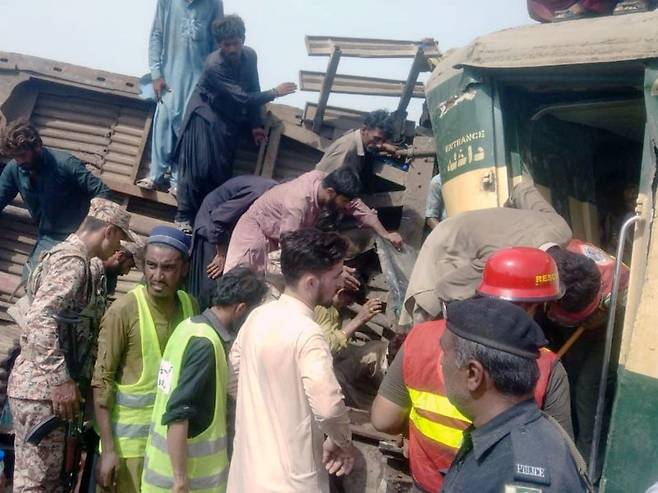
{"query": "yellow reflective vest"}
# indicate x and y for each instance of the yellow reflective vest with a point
(133, 405)
(207, 459)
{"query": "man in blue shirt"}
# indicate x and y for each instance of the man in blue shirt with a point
(180, 41)
(55, 186)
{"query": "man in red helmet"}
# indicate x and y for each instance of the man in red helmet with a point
(413, 389)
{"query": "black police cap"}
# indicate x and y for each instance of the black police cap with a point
(496, 324)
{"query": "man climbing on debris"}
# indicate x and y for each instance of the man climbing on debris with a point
(213, 225)
(288, 398)
(189, 437)
(294, 205)
(55, 186)
(179, 44)
(52, 363)
(411, 392)
(356, 149)
(133, 335)
(226, 99)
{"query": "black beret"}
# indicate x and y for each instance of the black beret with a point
(497, 324)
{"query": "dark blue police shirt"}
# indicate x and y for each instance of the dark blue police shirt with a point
(519, 451)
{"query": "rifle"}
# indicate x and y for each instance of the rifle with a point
(77, 352)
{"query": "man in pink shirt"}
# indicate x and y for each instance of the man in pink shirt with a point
(296, 205)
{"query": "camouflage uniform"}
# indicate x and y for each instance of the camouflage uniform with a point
(66, 283)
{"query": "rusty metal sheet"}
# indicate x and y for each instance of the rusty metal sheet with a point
(353, 84)
(366, 47)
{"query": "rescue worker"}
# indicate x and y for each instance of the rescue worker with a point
(410, 391)
(41, 382)
(133, 335)
(187, 445)
(450, 262)
(227, 99)
(356, 149)
(488, 370)
(213, 225)
(55, 186)
(584, 360)
(294, 205)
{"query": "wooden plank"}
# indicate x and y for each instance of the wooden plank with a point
(415, 195)
(272, 151)
(327, 82)
(390, 173)
(367, 47)
(135, 191)
(305, 136)
(353, 84)
(410, 85)
(141, 151)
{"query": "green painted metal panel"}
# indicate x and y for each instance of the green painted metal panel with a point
(631, 463)
(461, 109)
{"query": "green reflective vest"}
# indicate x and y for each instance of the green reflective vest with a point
(133, 405)
(207, 459)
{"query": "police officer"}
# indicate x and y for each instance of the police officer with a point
(489, 367)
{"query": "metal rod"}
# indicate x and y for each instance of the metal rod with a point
(600, 404)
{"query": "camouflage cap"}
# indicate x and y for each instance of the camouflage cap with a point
(136, 249)
(111, 213)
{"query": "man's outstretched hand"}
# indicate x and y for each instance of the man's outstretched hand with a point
(336, 460)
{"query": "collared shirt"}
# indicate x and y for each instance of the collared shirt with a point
(193, 399)
(119, 358)
(58, 199)
(63, 287)
(345, 151)
(287, 400)
(520, 448)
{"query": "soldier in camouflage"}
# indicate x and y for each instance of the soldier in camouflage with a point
(41, 384)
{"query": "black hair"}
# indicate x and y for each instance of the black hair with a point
(230, 27)
(510, 374)
(382, 120)
(310, 250)
(239, 285)
(345, 181)
(18, 137)
(580, 277)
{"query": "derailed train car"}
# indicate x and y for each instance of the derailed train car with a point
(575, 104)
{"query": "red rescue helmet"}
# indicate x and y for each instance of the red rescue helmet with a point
(521, 274)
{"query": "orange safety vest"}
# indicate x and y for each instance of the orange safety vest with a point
(435, 425)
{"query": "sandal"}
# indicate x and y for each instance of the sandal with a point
(631, 7)
(184, 226)
(146, 184)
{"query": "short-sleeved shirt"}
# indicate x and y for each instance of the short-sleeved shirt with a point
(518, 450)
(435, 206)
(194, 396)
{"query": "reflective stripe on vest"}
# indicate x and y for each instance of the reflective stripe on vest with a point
(439, 405)
(207, 459)
(133, 406)
(436, 426)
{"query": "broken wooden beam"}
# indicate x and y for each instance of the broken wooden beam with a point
(366, 47)
(325, 91)
(354, 84)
